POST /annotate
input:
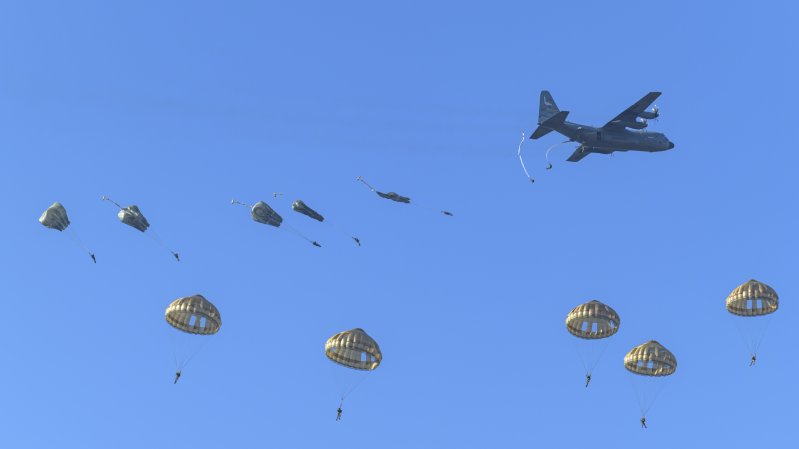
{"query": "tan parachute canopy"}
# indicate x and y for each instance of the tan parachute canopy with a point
(55, 217)
(592, 320)
(752, 298)
(354, 349)
(650, 359)
(194, 315)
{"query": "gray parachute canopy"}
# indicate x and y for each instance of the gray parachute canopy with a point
(393, 196)
(55, 217)
(262, 213)
(133, 217)
(301, 207)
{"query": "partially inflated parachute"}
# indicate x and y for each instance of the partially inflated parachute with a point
(134, 218)
(299, 206)
(393, 196)
(55, 217)
(262, 213)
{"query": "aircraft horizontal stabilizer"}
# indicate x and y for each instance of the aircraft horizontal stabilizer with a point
(579, 153)
(549, 124)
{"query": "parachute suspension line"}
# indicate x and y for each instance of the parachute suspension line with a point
(549, 150)
(157, 239)
(360, 178)
(762, 335)
(604, 344)
(188, 359)
(76, 239)
(753, 337)
(294, 231)
(646, 390)
(353, 387)
(580, 355)
(175, 352)
(519, 153)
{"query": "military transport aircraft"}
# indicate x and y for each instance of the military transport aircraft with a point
(614, 136)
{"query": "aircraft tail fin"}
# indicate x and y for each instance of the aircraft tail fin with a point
(549, 124)
(546, 107)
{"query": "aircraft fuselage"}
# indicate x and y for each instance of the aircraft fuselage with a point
(614, 139)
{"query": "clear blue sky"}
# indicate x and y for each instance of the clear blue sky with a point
(179, 107)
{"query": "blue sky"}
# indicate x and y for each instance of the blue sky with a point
(181, 107)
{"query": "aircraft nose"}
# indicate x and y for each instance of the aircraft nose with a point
(671, 145)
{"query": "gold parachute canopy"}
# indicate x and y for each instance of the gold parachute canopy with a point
(194, 315)
(55, 217)
(592, 320)
(753, 298)
(650, 359)
(354, 349)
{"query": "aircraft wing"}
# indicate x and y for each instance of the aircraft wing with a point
(630, 114)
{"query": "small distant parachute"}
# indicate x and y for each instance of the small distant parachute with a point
(592, 322)
(193, 315)
(300, 207)
(356, 350)
(753, 304)
(55, 217)
(133, 217)
(651, 362)
(393, 196)
(262, 213)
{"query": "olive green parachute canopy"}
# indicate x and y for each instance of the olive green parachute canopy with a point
(354, 349)
(55, 217)
(592, 320)
(194, 315)
(303, 208)
(133, 217)
(262, 213)
(753, 298)
(650, 359)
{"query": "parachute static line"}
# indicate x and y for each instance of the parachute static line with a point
(152, 234)
(396, 198)
(549, 150)
(519, 153)
(285, 226)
